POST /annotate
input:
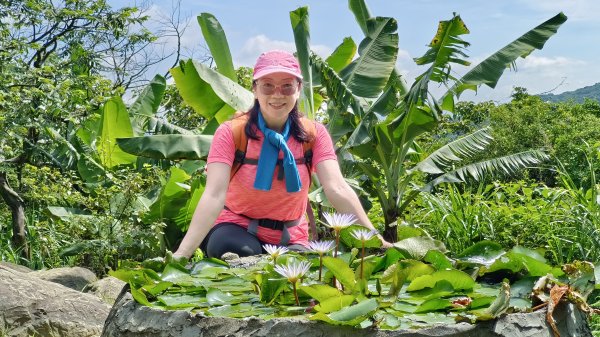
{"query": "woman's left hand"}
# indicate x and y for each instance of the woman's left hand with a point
(385, 244)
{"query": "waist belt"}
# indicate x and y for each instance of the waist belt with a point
(271, 224)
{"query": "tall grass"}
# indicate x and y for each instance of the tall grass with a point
(580, 239)
(458, 219)
(564, 222)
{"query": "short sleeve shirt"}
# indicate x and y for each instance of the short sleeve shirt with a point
(243, 201)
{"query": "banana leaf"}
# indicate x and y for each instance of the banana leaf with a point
(490, 70)
(209, 93)
(173, 147)
(300, 26)
(114, 123)
(217, 44)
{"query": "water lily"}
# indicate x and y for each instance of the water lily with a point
(363, 235)
(321, 248)
(275, 251)
(293, 271)
(337, 222)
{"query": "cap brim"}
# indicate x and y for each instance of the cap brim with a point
(269, 71)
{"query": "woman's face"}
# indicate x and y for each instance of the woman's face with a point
(277, 94)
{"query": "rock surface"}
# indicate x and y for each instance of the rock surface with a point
(16, 267)
(30, 306)
(107, 289)
(76, 278)
(129, 319)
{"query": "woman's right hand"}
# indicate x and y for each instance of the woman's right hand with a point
(176, 258)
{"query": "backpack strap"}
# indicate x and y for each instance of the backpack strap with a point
(238, 127)
(311, 129)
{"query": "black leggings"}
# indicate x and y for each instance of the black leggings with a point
(228, 237)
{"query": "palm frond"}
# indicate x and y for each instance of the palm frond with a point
(369, 73)
(446, 48)
(501, 165)
(337, 91)
(490, 70)
(457, 150)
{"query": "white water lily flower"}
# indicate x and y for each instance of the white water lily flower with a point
(275, 251)
(293, 270)
(321, 247)
(338, 221)
(363, 234)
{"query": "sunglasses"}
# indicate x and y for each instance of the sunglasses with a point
(286, 89)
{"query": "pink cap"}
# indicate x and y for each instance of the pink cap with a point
(276, 61)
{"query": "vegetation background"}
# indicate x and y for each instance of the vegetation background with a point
(72, 196)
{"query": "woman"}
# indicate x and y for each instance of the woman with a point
(261, 204)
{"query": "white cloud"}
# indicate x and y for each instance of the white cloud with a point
(539, 74)
(576, 10)
(533, 62)
(258, 44)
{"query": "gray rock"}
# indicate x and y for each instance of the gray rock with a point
(235, 261)
(107, 289)
(130, 319)
(16, 267)
(76, 278)
(30, 306)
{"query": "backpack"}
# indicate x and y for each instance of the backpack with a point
(238, 127)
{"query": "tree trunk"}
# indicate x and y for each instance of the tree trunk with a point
(17, 208)
(390, 233)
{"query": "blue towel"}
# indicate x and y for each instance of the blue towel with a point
(267, 159)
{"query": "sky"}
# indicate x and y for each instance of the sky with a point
(568, 61)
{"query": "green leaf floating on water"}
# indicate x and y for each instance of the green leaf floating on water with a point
(241, 310)
(155, 289)
(434, 304)
(217, 297)
(351, 315)
(139, 296)
(341, 271)
(271, 285)
(182, 301)
(498, 307)
(458, 279)
(136, 277)
(177, 274)
(416, 247)
(320, 292)
(334, 303)
(438, 260)
(518, 259)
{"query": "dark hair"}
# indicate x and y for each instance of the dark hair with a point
(296, 129)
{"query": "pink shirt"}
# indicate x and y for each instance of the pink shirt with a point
(276, 204)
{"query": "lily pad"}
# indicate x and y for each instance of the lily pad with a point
(458, 279)
(416, 247)
(217, 297)
(438, 260)
(320, 292)
(334, 303)
(341, 271)
(351, 315)
(180, 301)
(435, 304)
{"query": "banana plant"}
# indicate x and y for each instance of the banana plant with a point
(378, 121)
(371, 113)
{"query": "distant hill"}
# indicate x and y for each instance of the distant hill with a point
(592, 91)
